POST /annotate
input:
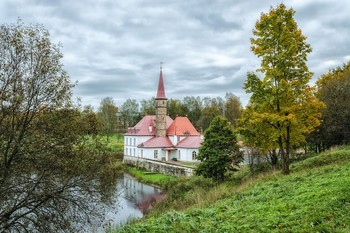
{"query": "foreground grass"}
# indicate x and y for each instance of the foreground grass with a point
(148, 177)
(314, 198)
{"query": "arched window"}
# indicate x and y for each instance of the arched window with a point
(194, 154)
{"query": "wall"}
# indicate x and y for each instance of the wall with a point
(158, 166)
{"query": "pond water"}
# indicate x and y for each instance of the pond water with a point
(131, 200)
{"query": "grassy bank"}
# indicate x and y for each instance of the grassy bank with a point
(315, 197)
(149, 177)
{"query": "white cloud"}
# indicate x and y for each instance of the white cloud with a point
(114, 47)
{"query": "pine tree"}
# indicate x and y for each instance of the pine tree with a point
(219, 151)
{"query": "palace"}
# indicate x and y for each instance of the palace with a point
(158, 137)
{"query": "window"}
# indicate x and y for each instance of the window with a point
(179, 154)
(156, 154)
(134, 152)
(127, 151)
(141, 153)
(134, 141)
(194, 154)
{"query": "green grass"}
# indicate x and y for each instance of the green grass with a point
(150, 178)
(315, 197)
(114, 142)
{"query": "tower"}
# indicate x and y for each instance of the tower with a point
(160, 107)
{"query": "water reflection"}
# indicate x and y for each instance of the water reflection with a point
(131, 200)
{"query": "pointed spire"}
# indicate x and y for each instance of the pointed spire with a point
(161, 91)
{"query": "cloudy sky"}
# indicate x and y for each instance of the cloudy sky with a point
(113, 48)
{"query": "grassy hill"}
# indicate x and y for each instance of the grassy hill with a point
(315, 197)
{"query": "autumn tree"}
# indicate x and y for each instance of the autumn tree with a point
(282, 99)
(258, 138)
(219, 152)
(48, 169)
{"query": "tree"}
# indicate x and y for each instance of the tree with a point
(194, 109)
(90, 118)
(107, 116)
(148, 107)
(334, 91)
(219, 152)
(283, 100)
(233, 109)
(47, 166)
(176, 108)
(130, 112)
(212, 107)
(258, 138)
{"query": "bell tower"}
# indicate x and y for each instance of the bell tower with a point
(160, 107)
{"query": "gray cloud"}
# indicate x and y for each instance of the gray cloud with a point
(113, 48)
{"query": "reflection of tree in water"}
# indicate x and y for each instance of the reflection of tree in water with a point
(143, 196)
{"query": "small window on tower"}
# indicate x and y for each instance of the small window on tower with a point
(156, 154)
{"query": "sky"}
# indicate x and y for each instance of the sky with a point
(114, 48)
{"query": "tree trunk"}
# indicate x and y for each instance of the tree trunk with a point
(285, 162)
(274, 159)
(285, 156)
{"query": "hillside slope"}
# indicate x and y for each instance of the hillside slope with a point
(314, 198)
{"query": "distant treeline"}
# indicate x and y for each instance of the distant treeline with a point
(111, 118)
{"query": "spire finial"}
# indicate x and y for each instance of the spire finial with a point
(161, 64)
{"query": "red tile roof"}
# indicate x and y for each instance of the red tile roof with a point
(182, 126)
(160, 91)
(146, 126)
(190, 142)
(157, 142)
